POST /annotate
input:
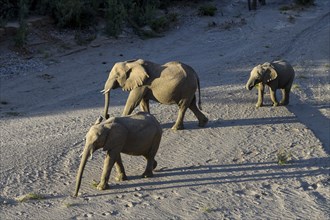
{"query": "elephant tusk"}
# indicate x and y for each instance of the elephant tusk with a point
(105, 91)
(91, 157)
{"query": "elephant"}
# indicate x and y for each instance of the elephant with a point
(137, 134)
(277, 75)
(170, 83)
(253, 6)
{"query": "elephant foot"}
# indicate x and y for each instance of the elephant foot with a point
(155, 164)
(177, 127)
(259, 105)
(121, 177)
(284, 103)
(275, 104)
(203, 122)
(103, 186)
(147, 175)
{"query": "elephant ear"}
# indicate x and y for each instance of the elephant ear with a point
(116, 137)
(136, 76)
(270, 73)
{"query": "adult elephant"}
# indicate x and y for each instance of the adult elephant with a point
(170, 83)
(253, 6)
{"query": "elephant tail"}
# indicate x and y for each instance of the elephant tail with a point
(199, 95)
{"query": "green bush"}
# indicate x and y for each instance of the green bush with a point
(115, 15)
(162, 23)
(139, 14)
(304, 2)
(8, 10)
(21, 34)
(207, 10)
(74, 13)
(142, 12)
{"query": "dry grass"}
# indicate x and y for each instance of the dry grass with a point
(30, 196)
(283, 156)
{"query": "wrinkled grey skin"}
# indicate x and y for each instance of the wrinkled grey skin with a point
(277, 75)
(137, 134)
(253, 6)
(171, 83)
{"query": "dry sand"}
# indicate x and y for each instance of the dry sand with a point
(227, 170)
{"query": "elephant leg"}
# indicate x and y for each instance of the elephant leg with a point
(107, 166)
(179, 121)
(286, 93)
(202, 119)
(151, 165)
(273, 96)
(121, 175)
(144, 105)
(261, 89)
(133, 100)
(285, 96)
(151, 162)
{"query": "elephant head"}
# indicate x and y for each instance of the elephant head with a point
(107, 135)
(127, 75)
(264, 73)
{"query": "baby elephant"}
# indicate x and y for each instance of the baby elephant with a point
(277, 75)
(137, 134)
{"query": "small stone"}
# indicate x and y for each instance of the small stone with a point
(114, 212)
(314, 186)
(310, 187)
(138, 195)
(130, 204)
(119, 196)
(146, 204)
(95, 45)
(88, 215)
(158, 197)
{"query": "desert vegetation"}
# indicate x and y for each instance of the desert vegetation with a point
(148, 18)
(85, 14)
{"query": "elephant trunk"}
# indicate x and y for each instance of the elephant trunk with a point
(250, 84)
(106, 104)
(110, 84)
(87, 151)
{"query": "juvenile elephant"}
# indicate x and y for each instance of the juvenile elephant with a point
(171, 83)
(277, 75)
(137, 134)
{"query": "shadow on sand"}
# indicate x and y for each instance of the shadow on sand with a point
(312, 118)
(192, 125)
(228, 173)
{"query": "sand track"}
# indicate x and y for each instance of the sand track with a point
(227, 170)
